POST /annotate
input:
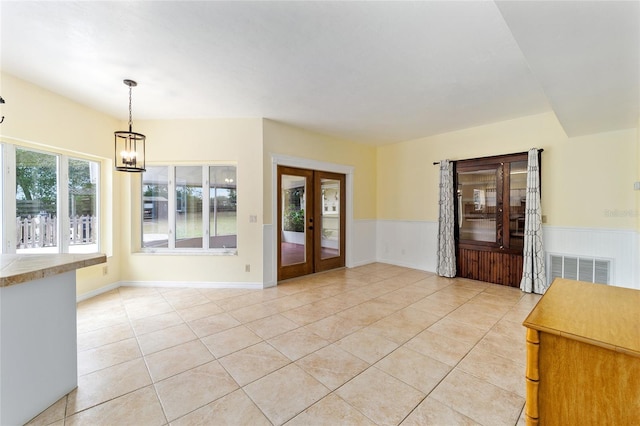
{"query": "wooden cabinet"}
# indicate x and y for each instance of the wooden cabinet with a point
(583, 356)
(491, 195)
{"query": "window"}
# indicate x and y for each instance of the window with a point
(178, 215)
(56, 203)
(155, 201)
(189, 229)
(36, 201)
(222, 207)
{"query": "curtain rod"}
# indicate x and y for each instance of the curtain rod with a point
(435, 163)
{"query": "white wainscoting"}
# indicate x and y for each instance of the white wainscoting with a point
(414, 244)
(620, 245)
(363, 250)
(269, 264)
(407, 243)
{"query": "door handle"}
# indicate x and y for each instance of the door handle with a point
(310, 228)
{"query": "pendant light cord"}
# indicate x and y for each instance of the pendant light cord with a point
(130, 120)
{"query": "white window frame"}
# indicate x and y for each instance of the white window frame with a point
(8, 203)
(171, 214)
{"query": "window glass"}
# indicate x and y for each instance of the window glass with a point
(222, 207)
(330, 218)
(155, 201)
(189, 207)
(293, 245)
(83, 213)
(178, 214)
(36, 201)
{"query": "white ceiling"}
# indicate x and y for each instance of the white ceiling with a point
(375, 72)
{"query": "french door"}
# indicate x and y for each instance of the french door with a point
(311, 221)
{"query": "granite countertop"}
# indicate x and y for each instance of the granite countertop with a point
(20, 268)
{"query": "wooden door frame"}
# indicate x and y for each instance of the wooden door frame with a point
(270, 246)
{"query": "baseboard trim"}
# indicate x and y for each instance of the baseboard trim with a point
(97, 292)
(168, 284)
(192, 284)
(403, 264)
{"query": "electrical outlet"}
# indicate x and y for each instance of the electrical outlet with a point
(253, 218)
(544, 218)
(247, 268)
(105, 270)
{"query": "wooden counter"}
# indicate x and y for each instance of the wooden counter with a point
(583, 356)
(38, 337)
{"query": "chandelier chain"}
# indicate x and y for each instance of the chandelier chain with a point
(130, 120)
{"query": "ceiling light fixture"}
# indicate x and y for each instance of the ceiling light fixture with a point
(129, 153)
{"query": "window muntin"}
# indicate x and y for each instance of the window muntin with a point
(179, 216)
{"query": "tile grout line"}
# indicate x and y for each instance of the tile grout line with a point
(299, 326)
(459, 361)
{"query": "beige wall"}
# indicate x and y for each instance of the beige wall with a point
(37, 118)
(586, 181)
(291, 141)
(185, 142)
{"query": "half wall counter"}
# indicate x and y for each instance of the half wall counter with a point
(38, 331)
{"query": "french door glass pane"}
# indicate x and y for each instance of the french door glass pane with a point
(477, 205)
(83, 214)
(293, 220)
(189, 206)
(517, 198)
(330, 246)
(155, 200)
(36, 201)
(222, 207)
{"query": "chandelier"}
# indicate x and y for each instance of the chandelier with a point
(129, 145)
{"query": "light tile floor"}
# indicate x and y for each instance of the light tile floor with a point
(377, 344)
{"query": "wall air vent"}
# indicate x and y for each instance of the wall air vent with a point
(580, 268)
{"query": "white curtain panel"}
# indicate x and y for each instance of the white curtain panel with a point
(534, 278)
(446, 225)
